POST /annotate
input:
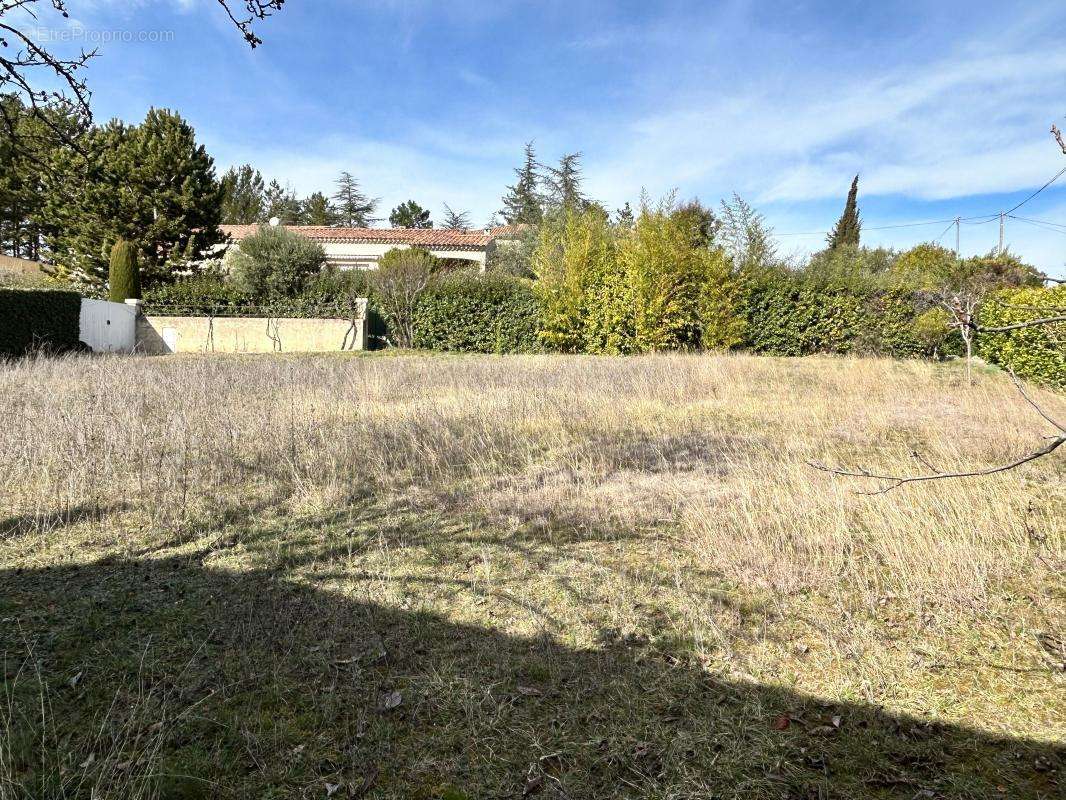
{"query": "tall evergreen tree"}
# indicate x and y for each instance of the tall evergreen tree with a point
(354, 209)
(243, 196)
(282, 203)
(624, 216)
(455, 220)
(410, 215)
(848, 227)
(564, 183)
(150, 184)
(318, 210)
(21, 157)
(523, 202)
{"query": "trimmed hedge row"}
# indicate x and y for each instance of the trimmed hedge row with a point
(1037, 353)
(211, 295)
(790, 316)
(471, 313)
(38, 318)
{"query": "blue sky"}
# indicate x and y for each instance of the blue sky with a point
(942, 108)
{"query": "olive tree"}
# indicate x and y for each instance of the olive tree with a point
(275, 262)
(398, 283)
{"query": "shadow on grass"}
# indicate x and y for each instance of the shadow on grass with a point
(164, 678)
(23, 524)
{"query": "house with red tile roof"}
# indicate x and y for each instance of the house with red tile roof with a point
(361, 248)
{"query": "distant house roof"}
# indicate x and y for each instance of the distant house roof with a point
(509, 231)
(417, 237)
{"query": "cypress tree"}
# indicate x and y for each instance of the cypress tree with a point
(846, 231)
(124, 275)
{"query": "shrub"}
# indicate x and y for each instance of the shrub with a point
(331, 294)
(124, 275)
(576, 251)
(398, 283)
(1038, 352)
(275, 262)
(472, 313)
(792, 315)
(202, 295)
(515, 256)
(659, 285)
(932, 330)
(31, 318)
(684, 294)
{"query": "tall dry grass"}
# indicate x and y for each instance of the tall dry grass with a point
(708, 451)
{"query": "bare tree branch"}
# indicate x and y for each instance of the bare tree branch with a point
(1058, 137)
(22, 57)
(1015, 326)
(895, 481)
(256, 9)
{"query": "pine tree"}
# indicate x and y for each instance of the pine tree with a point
(523, 203)
(283, 204)
(410, 215)
(21, 155)
(564, 183)
(318, 210)
(243, 196)
(455, 220)
(150, 184)
(848, 227)
(124, 278)
(353, 207)
(624, 216)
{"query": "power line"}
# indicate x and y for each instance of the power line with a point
(984, 218)
(1040, 221)
(1041, 225)
(879, 228)
(1058, 175)
(948, 228)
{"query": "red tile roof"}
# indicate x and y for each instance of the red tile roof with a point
(509, 231)
(424, 237)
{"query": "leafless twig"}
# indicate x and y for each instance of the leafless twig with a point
(1058, 137)
(1015, 326)
(895, 481)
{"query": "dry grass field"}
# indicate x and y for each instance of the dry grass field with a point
(505, 577)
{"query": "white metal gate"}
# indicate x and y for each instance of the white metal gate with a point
(108, 327)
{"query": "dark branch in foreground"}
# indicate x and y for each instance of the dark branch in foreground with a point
(895, 481)
(26, 62)
(1017, 325)
(1058, 137)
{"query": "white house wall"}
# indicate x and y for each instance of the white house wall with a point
(364, 255)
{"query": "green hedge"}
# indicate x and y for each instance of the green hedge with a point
(472, 313)
(789, 315)
(33, 318)
(1037, 353)
(326, 296)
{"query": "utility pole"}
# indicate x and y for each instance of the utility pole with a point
(957, 236)
(1001, 233)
